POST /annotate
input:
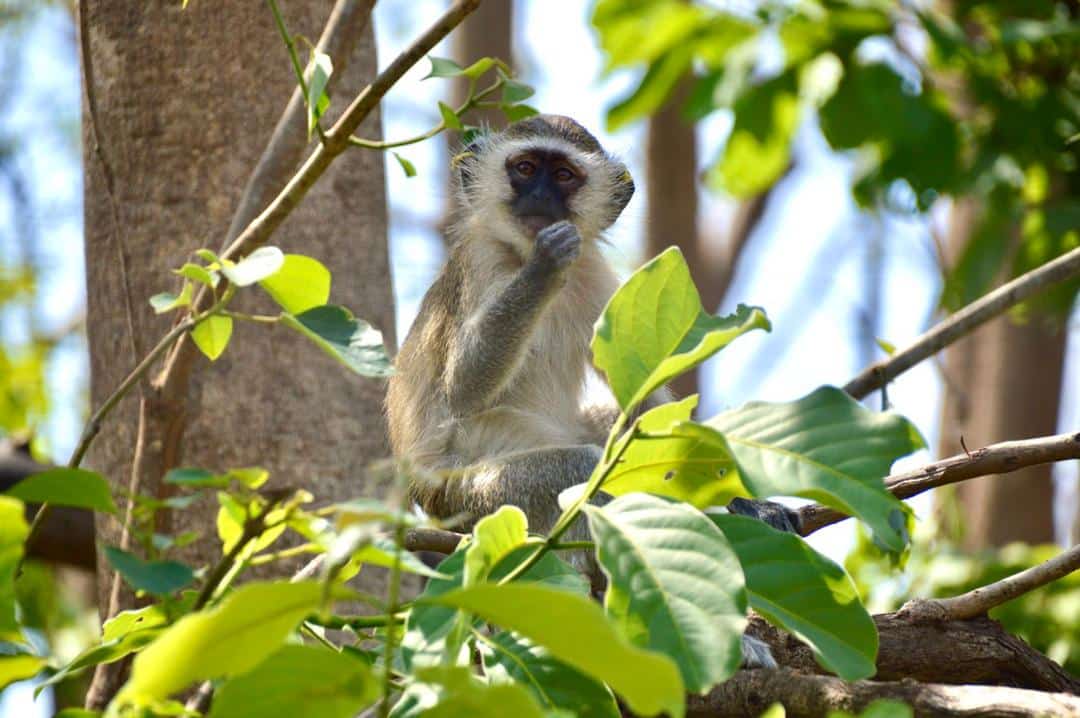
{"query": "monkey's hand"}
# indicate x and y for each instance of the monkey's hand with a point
(557, 246)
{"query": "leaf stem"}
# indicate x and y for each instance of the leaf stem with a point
(279, 21)
(392, 606)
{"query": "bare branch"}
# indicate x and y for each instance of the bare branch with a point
(435, 540)
(751, 692)
(343, 30)
(994, 459)
(964, 321)
(980, 600)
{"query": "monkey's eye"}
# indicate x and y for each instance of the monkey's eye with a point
(525, 168)
(563, 175)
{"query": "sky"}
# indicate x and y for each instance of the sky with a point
(807, 268)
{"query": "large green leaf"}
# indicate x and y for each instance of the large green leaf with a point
(157, 577)
(654, 329)
(675, 585)
(227, 640)
(667, 464)
(576, 631)
(17, 668)
(826, 447)
(301, 284)
(299, 682)
(494, 537)
(351, 341)
(429, 624)
(13, 532)
(454, 692)
(66, 487)
(510, 658)
(804, 593)
(759, 147)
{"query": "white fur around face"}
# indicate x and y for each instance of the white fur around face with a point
(489, 194)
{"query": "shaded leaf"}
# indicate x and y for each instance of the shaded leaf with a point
(13, 532)
(320, 68)
(443, 67)
(353, 342)
(166, 301)
(196, 478)
(675, 585)
(157, 577)
(454, 692)
(80, 488)
(406, 166)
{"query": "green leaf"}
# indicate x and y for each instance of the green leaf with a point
(515, 113)
(108, 651)
(207, 255)
(442, 67)
(406, 166)
(478, 68)
(251, 476)
(299, 681)
(166, 301)
(212, 334)
(669, 464)
(758, 150)
(262, 263)
(494, 536)
(509, 658)
(674, 584)
(353, 342)
(157, 577)
(301, 284)
(804, 593)
(380, 552)
(80, 488)
(654, 329)
(655, 88)
(575, 630)
(428, 625)
(13, 532)
(17, 668)
(826, 447)
(318, 73)
(454, 692)
(887, 347)
(197, 274)
(514, 92)
(449, 117)
(81, 712)
(196, 478)
(228, 640)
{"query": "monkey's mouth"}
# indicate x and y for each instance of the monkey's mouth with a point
(533, 223)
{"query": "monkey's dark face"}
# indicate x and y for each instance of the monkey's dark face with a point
(543, 182)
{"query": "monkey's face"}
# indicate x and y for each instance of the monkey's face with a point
(539, 171)
(543, 184)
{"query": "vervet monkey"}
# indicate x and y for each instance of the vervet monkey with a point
(489, 384)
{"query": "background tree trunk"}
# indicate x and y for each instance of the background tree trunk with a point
(182, 111)
(1002, 382)
(488, 32)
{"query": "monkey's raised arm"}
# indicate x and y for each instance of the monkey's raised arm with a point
(494, 340)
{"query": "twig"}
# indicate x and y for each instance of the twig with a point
(1000, 458)
(253, 528)
(436, 540)
(290, 44)
(964, 321)
(392, 604)
(980, 600)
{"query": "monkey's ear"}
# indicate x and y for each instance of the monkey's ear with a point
(464, 165)
(624, 189)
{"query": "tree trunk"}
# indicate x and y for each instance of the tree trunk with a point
(178, 107)
(1003, 382)
(488, 32)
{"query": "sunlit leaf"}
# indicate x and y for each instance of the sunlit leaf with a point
(17, 668)
(454, 692)
(212, 334)
(406, 165)
(301, 284)
(262, 263)
(655, 328)
(478, 68)
(494, 537)
(13, 532)
(197, 274)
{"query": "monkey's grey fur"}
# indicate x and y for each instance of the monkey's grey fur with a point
(488, 392)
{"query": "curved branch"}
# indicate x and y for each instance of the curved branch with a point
(994, 459)
(964, 321)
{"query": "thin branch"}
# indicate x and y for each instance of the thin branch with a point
(1000, 458)
(436, 540)
(290, 44)
(980, 600)
(750, 692)
(964, 321)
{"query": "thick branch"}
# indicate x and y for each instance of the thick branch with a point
(980, 600)
(994, 459)
(751, 692)
(974, 651)
(964, 321)
(435, 540)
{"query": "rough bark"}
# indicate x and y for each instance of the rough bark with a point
(1002, 382)
(182, 107)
